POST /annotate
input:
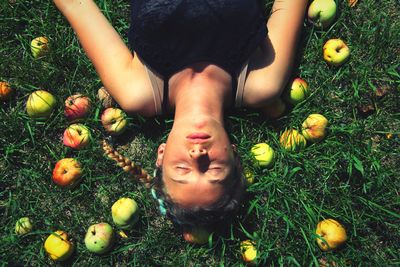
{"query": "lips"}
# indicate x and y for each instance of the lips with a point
(202, 136)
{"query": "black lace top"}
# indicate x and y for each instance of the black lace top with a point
(169, 35)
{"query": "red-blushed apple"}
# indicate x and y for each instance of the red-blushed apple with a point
(322, 13)
(114, 121)
(99, 238)
(331, 234)
(67, 172)
(336, 52)
(58, 247)
(275, 109)
(39, 46)
(196, 235)
(298, 91)
(314, 127)
(105, 98)
(77, 107)
(76, 136)
(5, 90)
(40, 105)
(249, 252)
(292, 140)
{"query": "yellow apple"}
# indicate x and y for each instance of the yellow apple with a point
(336, 52)
(249, 251)
(125, 212)
(39, 46)
(263, 154)
(58, 247)
(5, 90)
(292, 140)
(197, 235)
(23, 226)
(298, 91)
(275, 109)
(114, 121)
(40, 104)
(332, 232)
(314, 127)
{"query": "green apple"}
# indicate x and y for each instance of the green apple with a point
(114, 121)
(125, 212)
(263, 154)
(196, 235)
(336, 52)
(99, 238)
(298, 92)
(39, 46)
(322, 13)
(23, 226)
(40, 104)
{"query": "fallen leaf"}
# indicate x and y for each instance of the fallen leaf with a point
(352, 3)
(366, 110)
(382, 91)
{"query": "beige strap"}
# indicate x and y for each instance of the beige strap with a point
(240, 85)
(157, 84)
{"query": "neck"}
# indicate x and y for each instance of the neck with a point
(197, 95)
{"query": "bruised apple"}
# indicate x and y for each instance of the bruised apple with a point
(99, 238)
(331, 234)
(5, 91)
(39, 46)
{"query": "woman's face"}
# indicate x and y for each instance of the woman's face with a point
(197, 161)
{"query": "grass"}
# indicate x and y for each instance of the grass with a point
(352, 176)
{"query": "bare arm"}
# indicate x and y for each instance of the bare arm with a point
(271, 65)
(101, 42)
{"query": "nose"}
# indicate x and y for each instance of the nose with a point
(197, 151)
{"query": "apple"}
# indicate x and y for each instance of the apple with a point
(77, 107)
(105, 98)
(39, 46)
(248, 251)
(23, 226)
(322, 13)
(67, 172)
(263, 154)
(249, 176)
(5, 91)
(298, 91)
(275, 109)
(114, 121)
(76, 136)
(292, 140)
(336, 52)
(331, 234)
(40, 104)
(314, 127)
(58, 247)
(125, 212)
(99, 238)
(196, 235)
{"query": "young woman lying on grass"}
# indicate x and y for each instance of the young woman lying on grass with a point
(196, 59)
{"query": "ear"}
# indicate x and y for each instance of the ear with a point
(160, 155)
(234, 148)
